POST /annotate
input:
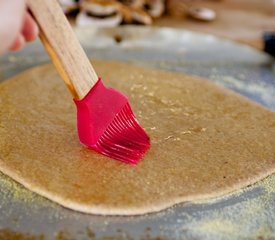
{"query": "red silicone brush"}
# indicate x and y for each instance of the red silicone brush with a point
(105, 119)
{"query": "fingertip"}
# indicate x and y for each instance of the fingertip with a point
(30, 29)
(18, 43)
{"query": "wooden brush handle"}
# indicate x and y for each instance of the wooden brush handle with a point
(63, 47)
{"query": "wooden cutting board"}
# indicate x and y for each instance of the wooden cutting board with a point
(239, 20)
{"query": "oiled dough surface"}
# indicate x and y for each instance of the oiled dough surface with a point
(206, 141)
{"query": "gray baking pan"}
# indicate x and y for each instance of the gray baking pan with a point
(246, 214)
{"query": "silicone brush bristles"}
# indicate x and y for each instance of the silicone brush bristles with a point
(107, 124)
(124, 139)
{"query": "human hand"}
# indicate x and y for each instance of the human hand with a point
(16, 25)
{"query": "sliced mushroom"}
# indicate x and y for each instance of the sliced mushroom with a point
(83, 20)
(100, 7)
(69, 6)
(187, 8)
(99, 13)
(135, 15)
(203, 14)
(133, 3)
(140, 16)
(155, 7)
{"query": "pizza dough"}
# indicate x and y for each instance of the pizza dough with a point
(206, 141)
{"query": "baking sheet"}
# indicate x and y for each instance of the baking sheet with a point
(246, 214)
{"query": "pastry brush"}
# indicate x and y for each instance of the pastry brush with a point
(105, 120)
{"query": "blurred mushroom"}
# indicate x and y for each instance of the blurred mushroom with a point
(135, 15)
(203, 14)
(99, 13)
(155, 7)
(181, 8)
(133, 3)
(140, 16)
(69, 6)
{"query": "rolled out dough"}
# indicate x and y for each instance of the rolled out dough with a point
(206, 141)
